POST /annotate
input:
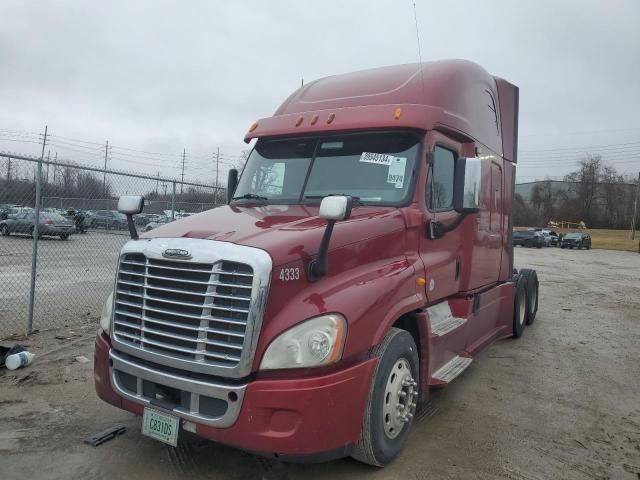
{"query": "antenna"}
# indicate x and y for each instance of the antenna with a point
(415, 19)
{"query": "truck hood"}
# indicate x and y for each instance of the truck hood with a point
(287, 232)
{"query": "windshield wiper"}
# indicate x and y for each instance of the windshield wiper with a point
(250, 196)
(318, 197)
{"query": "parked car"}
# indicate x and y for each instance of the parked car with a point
(50, 224)
(577, 240)
(550, 238)
(528, 238)
(12, 211)
(109, 219)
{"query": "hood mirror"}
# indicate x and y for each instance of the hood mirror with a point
(336, 207)
(332, 208)
(131, 205)
(232, 183)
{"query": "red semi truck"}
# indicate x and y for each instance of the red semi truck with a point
(364, 258)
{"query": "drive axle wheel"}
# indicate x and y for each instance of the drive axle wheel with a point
(391, 405)
(520, 305)
(532, 293)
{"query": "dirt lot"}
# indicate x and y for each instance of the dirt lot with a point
(563, 402)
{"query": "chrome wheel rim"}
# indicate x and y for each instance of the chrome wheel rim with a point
(399, 398)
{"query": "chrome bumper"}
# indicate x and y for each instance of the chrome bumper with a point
(148, 379)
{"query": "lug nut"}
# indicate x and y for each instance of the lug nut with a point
(402, 394)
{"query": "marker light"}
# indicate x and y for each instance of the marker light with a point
(331, 117)
(314, 119)
(398, 113)
(299, 122)
(253, 127)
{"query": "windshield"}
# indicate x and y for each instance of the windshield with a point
(572, 235)
(375, 168)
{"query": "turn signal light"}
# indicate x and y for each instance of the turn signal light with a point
(253, 127)
(421, 281)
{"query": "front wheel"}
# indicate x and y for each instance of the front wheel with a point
(64, 236)
(528, 244)
(4, 230)
(388, 416)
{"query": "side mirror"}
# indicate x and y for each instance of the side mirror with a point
(232, 183)
(332, 208)
(131, 205)
(336, 207)
(467, 184)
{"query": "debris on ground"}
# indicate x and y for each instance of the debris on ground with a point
(105, 435)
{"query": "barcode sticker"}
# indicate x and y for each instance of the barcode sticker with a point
(396, 171)
(377, 158)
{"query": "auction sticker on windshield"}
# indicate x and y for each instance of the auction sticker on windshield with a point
(377, 158)
(396, 171)
(160, 426)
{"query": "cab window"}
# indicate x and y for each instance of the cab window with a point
(439, 188)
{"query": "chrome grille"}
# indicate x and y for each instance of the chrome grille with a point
(184, 310)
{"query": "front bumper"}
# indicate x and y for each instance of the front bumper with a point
(294, 418)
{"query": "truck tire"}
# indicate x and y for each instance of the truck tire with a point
(391, 404)
(532, 293)
(520, 306)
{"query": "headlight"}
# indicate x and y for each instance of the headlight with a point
(105, 316)
(312, 343)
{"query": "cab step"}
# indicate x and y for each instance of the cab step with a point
(452, 369)
(442, 320)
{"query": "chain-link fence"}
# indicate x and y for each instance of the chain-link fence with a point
(58, 271)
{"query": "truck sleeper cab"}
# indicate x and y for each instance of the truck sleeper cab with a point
(364, 258)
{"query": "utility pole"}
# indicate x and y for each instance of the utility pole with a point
(184, 154)
(635, 210)
(48, 161)
(55, 167)
(35, 234)
(104, 174)
(217, 165)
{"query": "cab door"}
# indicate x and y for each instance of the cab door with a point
(440, 256)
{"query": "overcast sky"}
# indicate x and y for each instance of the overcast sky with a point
(162, 76)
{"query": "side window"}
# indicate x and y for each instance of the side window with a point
(439, 193)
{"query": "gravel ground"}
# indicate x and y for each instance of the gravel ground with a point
(73, 278)
(562, 402)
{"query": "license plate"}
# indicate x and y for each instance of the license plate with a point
(160, 426)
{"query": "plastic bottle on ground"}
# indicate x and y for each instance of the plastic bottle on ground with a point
(21, 359)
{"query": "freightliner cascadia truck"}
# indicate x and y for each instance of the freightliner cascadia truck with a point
(364, 258)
